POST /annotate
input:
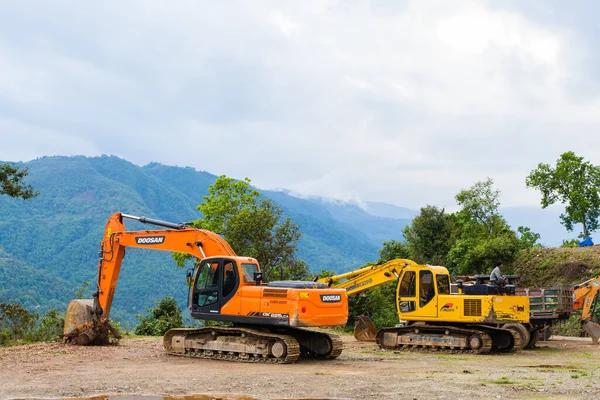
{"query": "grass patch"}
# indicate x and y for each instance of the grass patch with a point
(548, 350)
(503, 380)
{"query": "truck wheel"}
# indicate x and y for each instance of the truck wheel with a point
(520, 333)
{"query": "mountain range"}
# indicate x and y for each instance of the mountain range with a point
(49, 244)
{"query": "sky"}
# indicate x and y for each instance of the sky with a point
(396, 101)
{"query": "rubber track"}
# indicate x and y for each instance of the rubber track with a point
(337, 346)
(485, 348)
(292, 346)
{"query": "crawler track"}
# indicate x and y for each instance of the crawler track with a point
(250, 344)
(452, 339)
(317, 344)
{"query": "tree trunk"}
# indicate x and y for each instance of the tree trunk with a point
(585, 230)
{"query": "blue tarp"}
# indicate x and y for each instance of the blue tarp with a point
(586, 242)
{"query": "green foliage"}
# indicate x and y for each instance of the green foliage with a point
(11, 182)
(226, 198)
(51, 327)
(253, 227)
(80, 293)
(484, 234)
(479, 212)
(569, 327)
(379, 303)
(573, 182)
(165, 316)
(261, 231)
(393, 249)
(570, 243)
(474, 255)
(527, 239)
(17, 324)
(431, 236)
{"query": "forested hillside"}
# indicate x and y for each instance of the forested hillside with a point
(49, 244)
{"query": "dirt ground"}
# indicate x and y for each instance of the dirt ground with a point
(561, 368)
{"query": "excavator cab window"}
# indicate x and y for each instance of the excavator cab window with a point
(407, 286)
(426, 290)
(229, 278)
(208, 283)
(248, 271)
(443, 284)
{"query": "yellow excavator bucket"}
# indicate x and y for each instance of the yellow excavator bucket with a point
(592, 329)
(364, 329)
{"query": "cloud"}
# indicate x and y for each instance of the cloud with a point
(406, 102)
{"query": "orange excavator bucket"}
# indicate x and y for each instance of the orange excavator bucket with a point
(592, 329)
(364, 329)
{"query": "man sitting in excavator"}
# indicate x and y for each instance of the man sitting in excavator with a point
(496, 277)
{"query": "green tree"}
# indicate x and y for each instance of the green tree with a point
(11, 182)
(527, 238)
(165, 316)
(253, 227)
(484, 234)
(51, 327)
(393, 249)
(378, 303)
(16, 323)
(431, 235)
(574, 183)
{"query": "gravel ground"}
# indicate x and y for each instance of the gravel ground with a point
(561, 368)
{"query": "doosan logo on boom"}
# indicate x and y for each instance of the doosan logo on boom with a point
(150, 240)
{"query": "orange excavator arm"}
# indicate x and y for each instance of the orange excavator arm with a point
(181, 238)
(87, 319)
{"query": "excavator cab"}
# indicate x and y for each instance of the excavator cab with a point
(216, 282)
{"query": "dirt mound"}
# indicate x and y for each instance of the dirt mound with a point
(547, 267)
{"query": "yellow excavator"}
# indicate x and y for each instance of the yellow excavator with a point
(479, 318)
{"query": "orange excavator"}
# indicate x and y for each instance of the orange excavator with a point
(267, 320)
(585, 298)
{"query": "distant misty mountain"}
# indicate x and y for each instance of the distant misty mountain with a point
(49, 244)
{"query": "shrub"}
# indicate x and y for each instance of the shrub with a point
(51, 327)
(165, 316)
